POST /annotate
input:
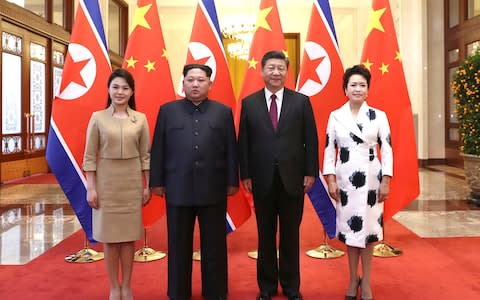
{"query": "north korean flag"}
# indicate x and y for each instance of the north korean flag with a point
(320, 78)
(83, 90)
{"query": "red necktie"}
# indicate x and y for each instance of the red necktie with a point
(273, 111)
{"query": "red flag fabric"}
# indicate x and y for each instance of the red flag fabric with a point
(268, 36)
(206, 47)
(83, 90)
(320, 78)
(388, 92)
(147, 59)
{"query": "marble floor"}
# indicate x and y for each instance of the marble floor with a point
(36, 217)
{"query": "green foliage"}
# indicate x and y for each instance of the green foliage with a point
(465, 87)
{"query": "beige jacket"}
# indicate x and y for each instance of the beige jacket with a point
(112, 138)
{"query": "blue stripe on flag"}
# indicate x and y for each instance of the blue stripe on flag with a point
(93, 9)
(323, 206)
(212, 12)
(68, 178)
(325, 6)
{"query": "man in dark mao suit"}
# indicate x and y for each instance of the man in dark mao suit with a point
(278, 165)
(194, 164)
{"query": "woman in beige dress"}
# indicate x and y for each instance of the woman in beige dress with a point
(116, 163)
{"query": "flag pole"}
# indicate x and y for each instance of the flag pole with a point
(385, 250)
(325, 251)
(86, 255)
(146, 254)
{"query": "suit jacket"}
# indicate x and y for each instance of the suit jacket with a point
(293, 147)
(194, 153)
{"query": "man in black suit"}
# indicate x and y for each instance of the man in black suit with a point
(194, 164)
(278, 149)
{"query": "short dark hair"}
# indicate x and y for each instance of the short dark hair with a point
(131, 83)
(356, 70)
(274, 54)
(204, 68)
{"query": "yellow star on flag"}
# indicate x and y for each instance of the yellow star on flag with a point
(367, 64)
(165, 53)
(131, 62)
(262, 19)
(150, 66)
(374, 20)
(384, 68)
(139, 18)
(252, 63)
(285, 53)
(398, 56)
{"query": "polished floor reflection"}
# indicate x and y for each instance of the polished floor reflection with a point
(441, 209)
(36, 216)
(33, 219)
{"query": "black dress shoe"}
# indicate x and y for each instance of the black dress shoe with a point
(296, 296)
(262, 296)
(217, 298)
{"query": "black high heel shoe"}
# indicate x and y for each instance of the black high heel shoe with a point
(358, 287)
(364, 298)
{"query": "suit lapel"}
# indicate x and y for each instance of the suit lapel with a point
(363, 117)
(286, 105)
(261, 106)
(344, 116)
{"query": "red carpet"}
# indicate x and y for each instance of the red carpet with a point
(429, 269)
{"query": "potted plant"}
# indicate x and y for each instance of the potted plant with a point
(466, 91)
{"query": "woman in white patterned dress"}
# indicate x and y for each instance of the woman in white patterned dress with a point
(357, 179)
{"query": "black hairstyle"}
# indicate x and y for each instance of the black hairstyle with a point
(274, 54)
(204, 68)
(131, 83)
(356, 70)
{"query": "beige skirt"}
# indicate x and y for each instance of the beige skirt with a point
(120, 192)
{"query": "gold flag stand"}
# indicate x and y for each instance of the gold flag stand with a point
(325, 251)
(197, 255)
(146, 254)
(253, 254)
(385, 250)
(86, 255)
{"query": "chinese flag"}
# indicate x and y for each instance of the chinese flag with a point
(146, 58)
(206, 47)
(268, 36)
(388, 92)
(320, 78)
